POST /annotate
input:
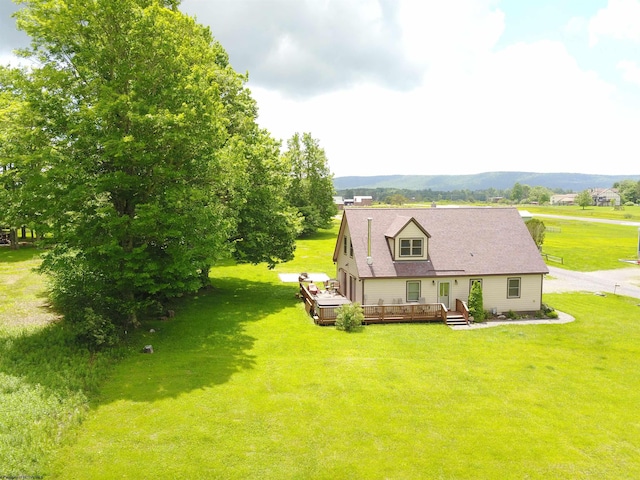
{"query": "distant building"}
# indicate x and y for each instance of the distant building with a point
(605, 197)
(339, 202)
(362, 201)
(564, 199)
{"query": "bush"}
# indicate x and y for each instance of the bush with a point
(349, 317)
(476, 303)
(93, 330)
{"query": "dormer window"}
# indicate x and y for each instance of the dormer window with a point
(411, 247)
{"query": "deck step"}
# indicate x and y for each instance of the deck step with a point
(455, 318)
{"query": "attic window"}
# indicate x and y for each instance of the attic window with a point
(411, 247)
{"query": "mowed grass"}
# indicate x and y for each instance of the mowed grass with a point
(243, 385)
(631, 214)
(588, 246)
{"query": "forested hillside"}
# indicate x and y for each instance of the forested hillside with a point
(568, 182)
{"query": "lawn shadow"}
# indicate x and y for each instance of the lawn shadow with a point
(202, 346)
(22, 254)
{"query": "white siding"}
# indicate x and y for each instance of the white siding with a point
(494, 289)
(410, 231)
(347, 264)
(494, 293)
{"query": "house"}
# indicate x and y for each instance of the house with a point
(605, 197)
(564, 199)
(362, 200)
(433, 255)
(338, 202)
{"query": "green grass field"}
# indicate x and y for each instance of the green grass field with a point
(243, 385)
(588, 246)
(631, 214)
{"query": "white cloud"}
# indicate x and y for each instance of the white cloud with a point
(630, 71)
(526, 107)
(619, 20)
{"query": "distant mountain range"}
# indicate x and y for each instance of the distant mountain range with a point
(483, 181)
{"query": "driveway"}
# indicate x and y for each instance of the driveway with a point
(622, 281)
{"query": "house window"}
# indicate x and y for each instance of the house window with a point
(413, 290)
(513, 287)
(474, 281)
(351, 249)
(344, 242)
(411, 247)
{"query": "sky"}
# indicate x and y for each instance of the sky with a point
(401, 87)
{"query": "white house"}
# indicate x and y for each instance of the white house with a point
(433, 255)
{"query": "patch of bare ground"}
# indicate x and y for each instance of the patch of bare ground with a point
(28, 313)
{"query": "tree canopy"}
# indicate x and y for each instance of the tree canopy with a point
(141, 154)
(311, 189)
(584, 199)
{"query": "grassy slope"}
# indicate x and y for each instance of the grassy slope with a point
(252, 389)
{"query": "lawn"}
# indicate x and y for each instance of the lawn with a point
(242, 384)
(589, 246)
(631, 214)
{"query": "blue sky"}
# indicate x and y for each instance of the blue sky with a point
(439, 87)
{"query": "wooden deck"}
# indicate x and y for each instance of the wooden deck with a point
(324, 311)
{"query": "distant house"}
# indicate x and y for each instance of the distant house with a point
(434, 255)
(605, 197)
(339, 202)
(564, 199)
(362, 201)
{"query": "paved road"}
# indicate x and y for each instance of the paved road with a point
(623, 281)
(589, 219)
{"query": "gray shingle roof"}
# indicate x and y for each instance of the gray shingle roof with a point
(464, 241)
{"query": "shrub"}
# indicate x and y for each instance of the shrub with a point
(476, 303)
(349, 317)
(552, 314)
(93, 330)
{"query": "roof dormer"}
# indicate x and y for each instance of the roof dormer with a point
(408, 240)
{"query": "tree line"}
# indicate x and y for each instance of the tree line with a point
(131, 147)
(629, 191)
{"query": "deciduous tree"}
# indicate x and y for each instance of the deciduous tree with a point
(146, 126)
(311, 189)
(537, 230)
(584, 199)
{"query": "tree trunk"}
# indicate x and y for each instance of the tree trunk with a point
(13, 238)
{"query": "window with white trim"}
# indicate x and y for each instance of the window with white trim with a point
(513, 287)
(344, 242)
(413, 290)
(411, 247)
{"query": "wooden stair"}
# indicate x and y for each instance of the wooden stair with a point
(455, 318)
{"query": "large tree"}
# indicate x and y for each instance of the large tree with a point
(584, 199)
(311, 189)
(146, 122)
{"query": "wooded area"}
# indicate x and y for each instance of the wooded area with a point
(131, 147)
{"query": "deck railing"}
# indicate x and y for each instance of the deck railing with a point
(463, 309)
(408, 312)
